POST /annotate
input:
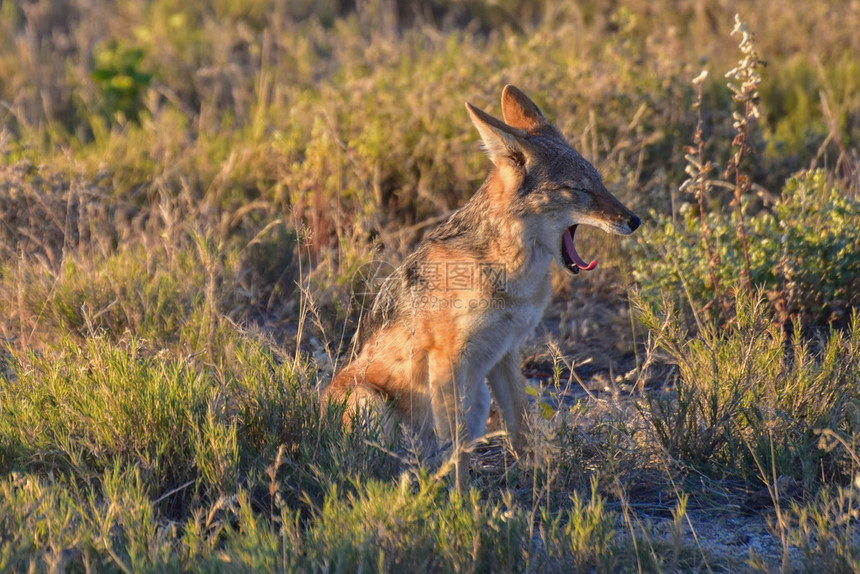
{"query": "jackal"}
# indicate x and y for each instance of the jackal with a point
(452, 317)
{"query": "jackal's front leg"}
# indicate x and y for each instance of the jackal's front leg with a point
(447, 380)
(443, 375)
(509, 390)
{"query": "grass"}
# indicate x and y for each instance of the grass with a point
(187, 190)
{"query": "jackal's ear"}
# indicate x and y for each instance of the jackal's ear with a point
(503, 143)
(521, 112)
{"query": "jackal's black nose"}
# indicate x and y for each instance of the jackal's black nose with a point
(633, 223)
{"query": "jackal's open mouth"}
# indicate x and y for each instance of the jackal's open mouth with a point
(572, 261)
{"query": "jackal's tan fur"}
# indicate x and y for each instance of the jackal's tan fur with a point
(437, 339)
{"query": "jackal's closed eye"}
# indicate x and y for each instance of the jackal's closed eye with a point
(571, 190)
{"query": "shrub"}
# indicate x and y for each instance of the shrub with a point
(802, 253)
(119, 76)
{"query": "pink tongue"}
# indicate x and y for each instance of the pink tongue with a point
(571, 250)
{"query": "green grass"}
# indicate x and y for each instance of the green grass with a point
(186, 190)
